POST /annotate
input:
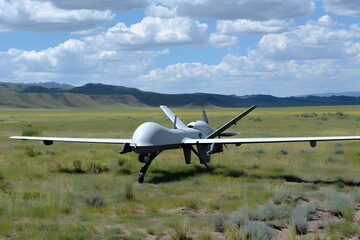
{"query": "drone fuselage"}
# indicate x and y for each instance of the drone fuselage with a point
(151, 137)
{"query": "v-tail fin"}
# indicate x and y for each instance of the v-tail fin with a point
(205, 118)
(176, 121)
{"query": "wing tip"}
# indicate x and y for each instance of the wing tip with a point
(14, 137)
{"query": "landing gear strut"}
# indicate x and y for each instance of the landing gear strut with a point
(203, 161)
(149, 158)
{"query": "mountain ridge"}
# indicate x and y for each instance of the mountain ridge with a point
(101, 95)
(347, 94)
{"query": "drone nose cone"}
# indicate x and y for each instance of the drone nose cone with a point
(145, 133)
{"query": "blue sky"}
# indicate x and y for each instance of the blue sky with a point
(282, 48)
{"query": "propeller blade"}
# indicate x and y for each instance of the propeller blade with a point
(224, 144)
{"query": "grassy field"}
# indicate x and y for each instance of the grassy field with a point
(88, 191)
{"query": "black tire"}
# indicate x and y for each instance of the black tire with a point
(141, 178)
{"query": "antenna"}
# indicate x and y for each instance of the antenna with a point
(174, 125)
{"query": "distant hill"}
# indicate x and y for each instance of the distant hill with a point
(53, 85)
(347, 94)
(99, 95)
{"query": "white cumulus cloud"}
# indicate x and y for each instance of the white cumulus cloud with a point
(33, 15)
(243, 26)
(223, 40)
(76, 62)
(152, 32)
(99, 5)
(343, 7)
(254, 74)
(321, 39)
(160, 11)
(243, 9)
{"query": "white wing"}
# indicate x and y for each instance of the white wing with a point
(239, 141)
(50, 140)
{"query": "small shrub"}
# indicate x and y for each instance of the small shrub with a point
(77, 166)
(93, 168)
(4, 185)
(310, 210)
(205, 236)
(339, 183)
(29, 151)
(96, 168)
(6, 228)
(126, 169)
(299, 219)
(348, 213)
(151, 231)
(341, 115)
(356, 196)
(256, 231)
(276, 170)
(231, 231)
(193, 204)
(342, 230)
(336, 201)
(307, 115)
(255, 166)
(338, 144)
(31, 194)
(282, 152)
(181, 230)
(281, 196)
(256, 119)
(197, 181)
(339, 151)
(258, 151)
(121, 162)
(324, 118)
(215, 206)
(240, 217)
(271, 211)
(49, 152)
(235, 173)
(95, 200)
(330, 160)
(63, 169)
(129, 192)
(219, 223)
(31, 132)
(306, 151)
(105, 167)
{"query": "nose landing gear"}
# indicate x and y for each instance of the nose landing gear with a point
(147, 159)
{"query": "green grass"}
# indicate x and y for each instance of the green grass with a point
(44, 189)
